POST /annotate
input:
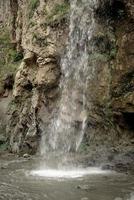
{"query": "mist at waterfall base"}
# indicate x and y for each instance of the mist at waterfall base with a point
(67, 128)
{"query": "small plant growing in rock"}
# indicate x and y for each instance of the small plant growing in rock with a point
(60, 9)
(33, 4)
(18, 56)
(32, 24)
(10, 58)
(58, 12)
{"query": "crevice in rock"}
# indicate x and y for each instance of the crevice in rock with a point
(125, 120)
(129, 120)
(112, 9)
(28, 86)
(125, 85)
(14, 14)
(9, 82)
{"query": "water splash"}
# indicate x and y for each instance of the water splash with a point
(129, 197)
(65, 173)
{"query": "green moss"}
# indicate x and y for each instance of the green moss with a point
(60, 9)
(17, 56)
(99, 57)
(4, 147)
(105, 47)
(4, 37)
(113, 53)
(58, 12)
(32, 24)
(84, 147)
(10, 58)
(33, 4)
(40, 41)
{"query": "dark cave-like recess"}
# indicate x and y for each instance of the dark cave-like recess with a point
(129, 120)
(113, 10)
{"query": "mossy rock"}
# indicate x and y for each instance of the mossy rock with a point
(10, 58)
(58, 13)
(4, 146)
(32, 6)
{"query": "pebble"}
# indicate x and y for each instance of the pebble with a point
(3, 167)
(84, 198)
(85, 187)
(26, 155)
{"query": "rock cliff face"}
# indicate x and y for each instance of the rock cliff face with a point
(39, 33)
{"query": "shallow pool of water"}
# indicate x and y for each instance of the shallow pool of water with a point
(16, 183)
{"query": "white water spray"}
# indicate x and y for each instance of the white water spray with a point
(65, 173)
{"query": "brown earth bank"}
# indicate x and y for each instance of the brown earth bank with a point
(33, 40)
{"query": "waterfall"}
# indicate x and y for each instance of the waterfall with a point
(67, 129)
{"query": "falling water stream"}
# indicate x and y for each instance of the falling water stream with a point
(67, 129)
(63, 135)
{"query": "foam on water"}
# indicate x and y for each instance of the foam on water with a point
(72, 173)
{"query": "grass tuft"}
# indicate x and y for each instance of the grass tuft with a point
(33, 4)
